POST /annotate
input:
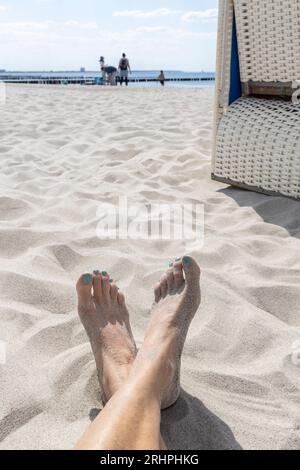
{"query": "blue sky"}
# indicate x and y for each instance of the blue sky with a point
(68, 34)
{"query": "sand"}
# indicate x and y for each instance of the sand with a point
(66, 151)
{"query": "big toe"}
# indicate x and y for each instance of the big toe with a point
(84, 289)
(191, 270)
(192, 274)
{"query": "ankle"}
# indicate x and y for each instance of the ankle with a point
(111, 382)
(144, 390)
(152, 374)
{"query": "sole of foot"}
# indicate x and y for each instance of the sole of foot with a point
(177, 299)
(104, 315)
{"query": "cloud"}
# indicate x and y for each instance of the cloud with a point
(167, 32)
(71, 44)
(72, 23)
(89, 25)
(3, 8)
(203, 15)
(23, 28)
(77, 29)
(188, 17)
(160, 12)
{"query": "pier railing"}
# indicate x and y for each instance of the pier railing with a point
(92, 80)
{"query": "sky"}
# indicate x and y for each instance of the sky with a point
(69, 34)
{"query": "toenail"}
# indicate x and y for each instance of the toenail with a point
(111, 281)
(97, 273)
(104, 273)
(187, 261)
(87, 279)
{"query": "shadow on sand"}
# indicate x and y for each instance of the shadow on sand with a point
(189, 425)
(277, 210)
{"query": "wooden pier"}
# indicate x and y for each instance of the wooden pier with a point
(88, 80)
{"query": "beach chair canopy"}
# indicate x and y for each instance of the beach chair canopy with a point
(257, 111)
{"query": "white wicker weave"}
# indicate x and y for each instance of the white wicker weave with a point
(258, 145)
(269, 39)
(223, 61)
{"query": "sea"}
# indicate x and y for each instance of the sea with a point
(207, 78)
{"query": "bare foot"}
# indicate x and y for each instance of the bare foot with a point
(177, 298)
(103, 312)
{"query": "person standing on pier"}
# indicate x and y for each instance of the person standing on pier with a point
(124, 68)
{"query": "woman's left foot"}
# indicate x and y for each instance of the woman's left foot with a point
(103, 312)
(177, 299)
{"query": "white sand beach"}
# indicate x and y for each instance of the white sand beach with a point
(64, 152)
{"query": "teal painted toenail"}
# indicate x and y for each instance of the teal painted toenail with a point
(87, 279)
(187, 261)
(104, 273)
(111, 281)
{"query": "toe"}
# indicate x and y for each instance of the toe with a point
(114, 292)
(97, 287)
(157, 293)
(191, 270)
(164, 287)
(106, 287)
(178, 276)
(84, 289)
(121, 298)
(170, 281)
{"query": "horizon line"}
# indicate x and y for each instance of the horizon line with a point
(99, 71)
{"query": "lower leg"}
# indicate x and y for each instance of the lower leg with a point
(129, 421)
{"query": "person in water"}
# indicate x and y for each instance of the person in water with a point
(161, 78)
(124, 68)
(136, 385)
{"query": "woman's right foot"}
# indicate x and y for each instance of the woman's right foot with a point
(103, 312)
(177, 299)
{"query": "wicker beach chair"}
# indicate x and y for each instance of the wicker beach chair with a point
(257, 111)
